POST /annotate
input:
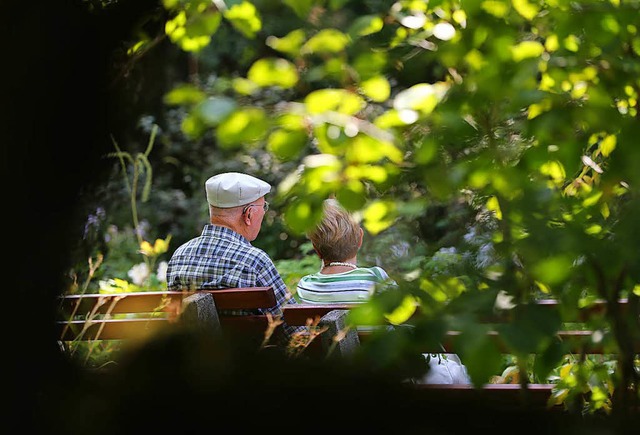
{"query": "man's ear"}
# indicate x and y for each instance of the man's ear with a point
(361, 238)
(246, 217)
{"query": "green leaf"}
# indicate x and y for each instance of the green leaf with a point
(244, 86)
(273, 72)
(242, 127)
(375, 173)
(608, 144)
(377, 88)
(532, 330)
(192, 34)
(192, 126)
(404, 311)
(526, 9)
(300, 7)
(245, 18)
(352, 195)
(379, 216)
(365, 25)
(396, 118)
(326, 41)
(369, 64)
(422, 97)
(288, 44)
(184, 94)
(496, 8)
(526, 50)
(552, 270)
(287, 144)
(366, 149)
(302, 215)
(339, 100)
(479, 353)
(215, 109)
(549, 359)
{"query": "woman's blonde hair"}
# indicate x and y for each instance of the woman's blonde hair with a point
(337, 236)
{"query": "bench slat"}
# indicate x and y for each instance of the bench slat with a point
(121, 329)
(112, 329)
(299, 313)
(141, 302)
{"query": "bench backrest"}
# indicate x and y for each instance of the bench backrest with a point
(137, 315)
(579, 338)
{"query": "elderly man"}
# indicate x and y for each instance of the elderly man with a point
(222, 256)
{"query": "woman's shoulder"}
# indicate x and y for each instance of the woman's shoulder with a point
(378, 272)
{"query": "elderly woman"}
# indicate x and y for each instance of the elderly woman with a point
(337, 240)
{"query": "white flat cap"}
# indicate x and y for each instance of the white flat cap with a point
(233, 189)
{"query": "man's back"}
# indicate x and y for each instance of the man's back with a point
(222, 256)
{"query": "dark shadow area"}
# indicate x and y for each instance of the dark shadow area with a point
(55, 128)
(188, 383)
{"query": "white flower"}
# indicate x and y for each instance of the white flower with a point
(444, 31)
(139, 273)
(162, 271)
(504, 301)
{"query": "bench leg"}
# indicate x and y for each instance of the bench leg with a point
(335, 322)
(199, 312)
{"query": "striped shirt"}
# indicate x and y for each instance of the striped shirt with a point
(221, 258)
(355, 286)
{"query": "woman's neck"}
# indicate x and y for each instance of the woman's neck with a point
(333, 267)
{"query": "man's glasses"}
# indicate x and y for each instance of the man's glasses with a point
(265, 206)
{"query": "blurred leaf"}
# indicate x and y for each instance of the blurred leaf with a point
(365, 25)
(496, 7)
(532, 330)
(214, 110)
(301, 216)
(377, 88)
(479, 354)
(396, 118)
(366, 149)
(378, 216)
(369, 64)
(549, 359)
(369, 313)
(244, 86)
(422, 97)
(287, 144)
(273, 72)
(526, 50)
(374, 173)
(326, 41)
(339, 100)
(404, 311)
(192, 126)
(607, 145)
(193, 33)
(552, 270)
(525, 8)
(300, 7)
(352, 195)
(494, 205)
(184, 94)
(243, 126)
(244, 17)
(289, 44)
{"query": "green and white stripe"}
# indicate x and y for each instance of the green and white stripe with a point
(355, 286)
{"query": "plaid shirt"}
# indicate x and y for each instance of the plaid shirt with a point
(222, 258)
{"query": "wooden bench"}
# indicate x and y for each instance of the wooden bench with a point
(578, 340)
(139, 315)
